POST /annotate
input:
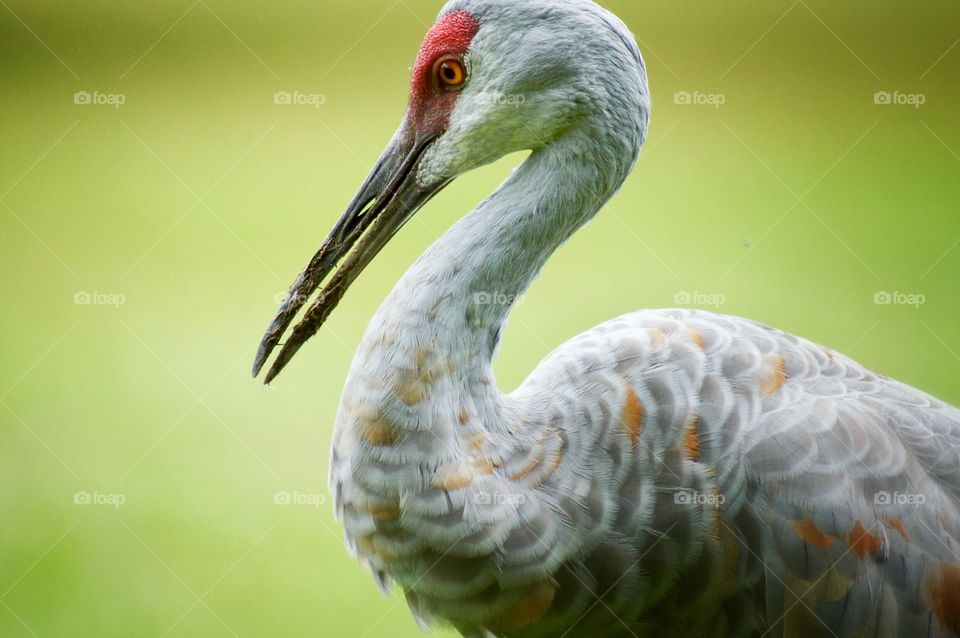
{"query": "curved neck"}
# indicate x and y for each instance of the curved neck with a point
(458, 294)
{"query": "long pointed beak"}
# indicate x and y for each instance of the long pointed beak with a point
(389, 197)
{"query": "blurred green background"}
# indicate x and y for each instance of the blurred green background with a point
(144, 477)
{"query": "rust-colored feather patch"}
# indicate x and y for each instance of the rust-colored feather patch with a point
(533, 606)
(485, 465)
(896, 524)
(775, 375)
(631, 420)
(384, 512)
(453, 477)
(862, 543)
(943, 596)
(526, 469)
(810, 534)
(478, 441)
(365, 545)
(377, 433)
(692, 439)
(556, 458)
(697, 338)
(411, 392)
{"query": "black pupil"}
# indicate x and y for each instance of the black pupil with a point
(449, 72)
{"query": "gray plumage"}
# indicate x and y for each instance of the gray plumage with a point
(669, 473)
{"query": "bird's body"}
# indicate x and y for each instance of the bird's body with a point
(669, 473)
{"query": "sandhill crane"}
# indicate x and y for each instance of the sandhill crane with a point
(670, 473)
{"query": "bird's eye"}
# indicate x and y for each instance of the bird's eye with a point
(450, 73)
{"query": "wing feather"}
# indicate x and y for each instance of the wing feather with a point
(841, 486)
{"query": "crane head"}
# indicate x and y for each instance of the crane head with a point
(492, 77)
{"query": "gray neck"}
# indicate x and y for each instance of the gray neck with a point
(457, 296)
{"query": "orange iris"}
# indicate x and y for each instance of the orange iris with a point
(450, 73)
